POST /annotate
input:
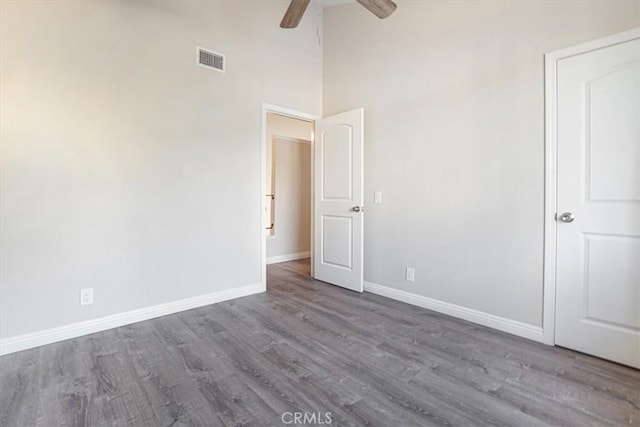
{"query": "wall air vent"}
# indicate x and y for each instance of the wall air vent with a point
(209, 59)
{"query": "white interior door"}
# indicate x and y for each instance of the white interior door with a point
(598, 199)
(338, 199)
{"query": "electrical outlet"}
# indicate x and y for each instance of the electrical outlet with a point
(86, 296)
(409, 274)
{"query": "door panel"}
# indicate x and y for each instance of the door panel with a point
(611, 274)
(613, 149)
(337, 235)
(337, 167)
(598, 253)
(338, 230)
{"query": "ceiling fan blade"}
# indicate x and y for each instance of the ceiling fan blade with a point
(294, 13)
(380, 8)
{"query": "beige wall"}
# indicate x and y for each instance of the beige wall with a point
(126, 167)
(279, 125)
(454, 138)
(291, 184)
(293, 199)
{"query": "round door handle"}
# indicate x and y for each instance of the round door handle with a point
(567, 217)
(358, 209)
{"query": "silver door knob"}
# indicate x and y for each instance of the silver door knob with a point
(567, 217)
(358, 209)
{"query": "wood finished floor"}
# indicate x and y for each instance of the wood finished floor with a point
(305, 346)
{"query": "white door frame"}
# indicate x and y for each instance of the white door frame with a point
(287, 112)
(551, 169)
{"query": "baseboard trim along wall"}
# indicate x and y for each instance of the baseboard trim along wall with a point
(485, 319)
(288, 257)
(36, 339)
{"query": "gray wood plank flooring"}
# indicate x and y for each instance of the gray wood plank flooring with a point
(305, 346)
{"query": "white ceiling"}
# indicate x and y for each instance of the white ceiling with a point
(331, 3)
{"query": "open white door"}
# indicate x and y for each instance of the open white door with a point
(598, 202)
(338, 199)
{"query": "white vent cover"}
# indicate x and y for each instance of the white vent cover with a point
(209, 59)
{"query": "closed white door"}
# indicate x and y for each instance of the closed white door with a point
(338, 199)
(598, 202)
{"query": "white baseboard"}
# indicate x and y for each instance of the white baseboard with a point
(496, 322)
(36, 339)
(288, 257)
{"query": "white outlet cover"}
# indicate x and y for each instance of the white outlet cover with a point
(86, 296)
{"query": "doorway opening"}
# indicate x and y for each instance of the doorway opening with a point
(288, 193)
(336, 238)
(287, 225)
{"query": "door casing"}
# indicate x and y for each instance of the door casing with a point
(551, 168)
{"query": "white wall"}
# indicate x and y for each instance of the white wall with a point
(291, 184)
(454, 138)
(121, 157)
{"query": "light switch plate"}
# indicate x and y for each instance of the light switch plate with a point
(377, 197)
(410, 274)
